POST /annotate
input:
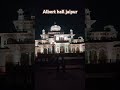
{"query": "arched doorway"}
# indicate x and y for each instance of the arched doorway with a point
(9, 62)
(49, 50)
(77, 50)
(93, 56)
(24, 59)
(58, 50)
(38, 52)
(45, 50)
(62, 50)
(102, 56)
(9, 58)
(73, 50)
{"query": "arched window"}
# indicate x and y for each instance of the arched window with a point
(11, 41)
(39, 43)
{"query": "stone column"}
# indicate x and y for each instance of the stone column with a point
(80, 48)
(29, 58)
(88, 60)
(16, 57)
(97, 57)
(2, 61)
(2, 42)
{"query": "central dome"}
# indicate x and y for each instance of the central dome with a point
(55, 28)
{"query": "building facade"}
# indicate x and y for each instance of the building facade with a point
(18, 47)
(56, 41)
(102, 46)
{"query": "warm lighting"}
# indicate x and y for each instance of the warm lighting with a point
(55, 28)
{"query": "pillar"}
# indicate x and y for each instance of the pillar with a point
(97, 57)
(2, 42)
(29, 58)
(2, 61)
(88, 55)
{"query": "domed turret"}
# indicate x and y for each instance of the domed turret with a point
(55, 28)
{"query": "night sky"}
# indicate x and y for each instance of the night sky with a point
(67, 22)
(104, 12)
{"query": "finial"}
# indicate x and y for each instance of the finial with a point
(54, 23)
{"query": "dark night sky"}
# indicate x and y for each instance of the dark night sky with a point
(104, 12)
(67, 22)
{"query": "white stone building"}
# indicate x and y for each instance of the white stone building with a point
(56, 41)
(18, 47)
(102, 46)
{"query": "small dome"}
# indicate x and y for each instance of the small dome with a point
(20, 11)
(55, 28)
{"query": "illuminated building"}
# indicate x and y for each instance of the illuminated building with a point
(56, 41)
(18, 47)
(102, 46)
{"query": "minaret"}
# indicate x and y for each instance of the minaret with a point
(71, 31)
(20, 14)
(43, 33)
(88, 22)
(71, 34)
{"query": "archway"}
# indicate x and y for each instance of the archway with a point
(24, 59)
(45, 50)
(73, 50)
(38, 52)
(11, 41)
(102, 56)
(49, 50)
(62, 49)
(77, 50)
(93, 56)
(9, 62)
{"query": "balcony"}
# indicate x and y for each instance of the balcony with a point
(25, 41)
(61, 41)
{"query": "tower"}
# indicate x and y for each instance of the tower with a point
(20, 14)
(88, 23)
(24, 25)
